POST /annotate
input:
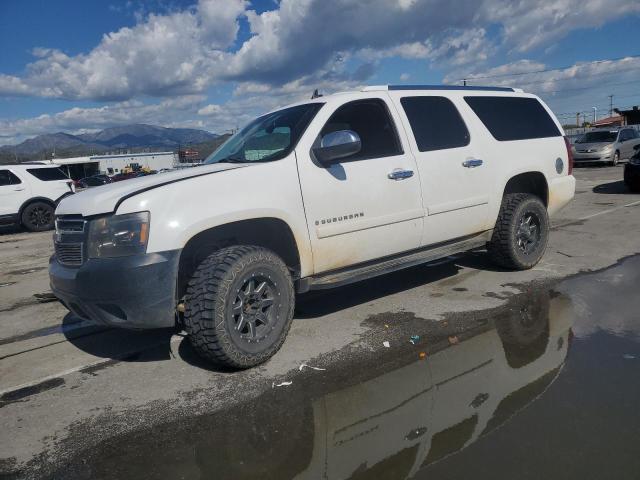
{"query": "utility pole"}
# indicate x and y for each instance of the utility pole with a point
(610, 105)
(595, 114)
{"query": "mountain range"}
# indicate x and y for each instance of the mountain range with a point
(109, 139)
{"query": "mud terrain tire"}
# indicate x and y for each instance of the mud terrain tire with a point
(239, 306)
(521, 232)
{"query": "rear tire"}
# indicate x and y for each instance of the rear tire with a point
(521, 232)
(239, 306)
(38, 217)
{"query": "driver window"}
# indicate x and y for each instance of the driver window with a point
(370, 119)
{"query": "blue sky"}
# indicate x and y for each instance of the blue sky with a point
(78, 66)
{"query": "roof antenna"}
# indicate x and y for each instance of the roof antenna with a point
(315, 94)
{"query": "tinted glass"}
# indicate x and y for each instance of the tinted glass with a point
(370, 119)
(435, 122)
(267, 138)
(47, 174)
(8, 178)
(514, 118)
(597, 137)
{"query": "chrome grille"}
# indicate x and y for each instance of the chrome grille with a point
(70, 225)
(69, 253)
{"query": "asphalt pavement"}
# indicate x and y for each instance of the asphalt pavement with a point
(71, 392)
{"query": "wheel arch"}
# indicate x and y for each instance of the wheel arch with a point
(28, 202)
(268, 232)
(533, 182)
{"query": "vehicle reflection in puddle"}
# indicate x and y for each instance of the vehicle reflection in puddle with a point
(393, 424)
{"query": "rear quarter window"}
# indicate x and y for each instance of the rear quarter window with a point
(8, 178)
(47, 174)
(513, 118)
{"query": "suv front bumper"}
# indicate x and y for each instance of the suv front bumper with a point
(137, 291)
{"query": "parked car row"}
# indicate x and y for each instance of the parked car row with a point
(605, 145)
(29, 194)
(102, 179)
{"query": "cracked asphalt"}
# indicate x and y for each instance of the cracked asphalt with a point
(69, 389)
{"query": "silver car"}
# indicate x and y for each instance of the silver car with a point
(610, 145)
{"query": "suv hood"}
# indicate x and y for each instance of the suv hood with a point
(103, 199)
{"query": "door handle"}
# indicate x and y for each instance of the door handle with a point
(399, 174)
(18, 189)
(472, 163)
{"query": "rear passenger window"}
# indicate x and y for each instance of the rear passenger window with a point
(435, 122)
(370, 119)
(47, 174)
(514, 118)
(8, 178)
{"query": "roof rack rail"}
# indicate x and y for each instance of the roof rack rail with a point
(441, 87)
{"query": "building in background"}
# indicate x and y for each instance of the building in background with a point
(80, 167)
(630, 117)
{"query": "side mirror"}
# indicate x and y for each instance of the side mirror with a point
(337, 145)
(636, 146)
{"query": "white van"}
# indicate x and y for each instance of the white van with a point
(315, 195)
(29, 193)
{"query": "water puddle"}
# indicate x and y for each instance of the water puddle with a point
(547, 388)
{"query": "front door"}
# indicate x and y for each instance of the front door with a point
(457, 180)
(361, 208)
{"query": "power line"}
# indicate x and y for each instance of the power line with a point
(594, 62)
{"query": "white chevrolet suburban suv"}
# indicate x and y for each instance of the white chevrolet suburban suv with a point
(315, 195)
(29, 193)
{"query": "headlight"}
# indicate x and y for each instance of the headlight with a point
(118, 235)
(606, 147)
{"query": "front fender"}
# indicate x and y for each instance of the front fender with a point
(181, 210)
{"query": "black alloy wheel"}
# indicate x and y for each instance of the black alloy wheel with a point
(528, 232)
(38, 217)
(252, 311)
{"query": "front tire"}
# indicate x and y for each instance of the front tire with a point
(521, 232)
(616, 159)
(239, 306)
(38, 217)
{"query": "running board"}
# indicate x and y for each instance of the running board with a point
(385, 265)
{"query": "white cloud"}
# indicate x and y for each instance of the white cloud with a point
(185, 52)
(211, 109)
(297, 47)
(404, 77)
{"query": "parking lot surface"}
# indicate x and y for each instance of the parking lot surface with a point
(454, 387)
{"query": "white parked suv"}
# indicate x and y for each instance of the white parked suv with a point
(318, 194)
(29, 193)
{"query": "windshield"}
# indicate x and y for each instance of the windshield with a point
(596, 137)
(267, 138)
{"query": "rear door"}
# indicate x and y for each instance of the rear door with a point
(457, 179)
(13, 192)
(359, 209)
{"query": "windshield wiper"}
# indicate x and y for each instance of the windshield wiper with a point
(232, 159)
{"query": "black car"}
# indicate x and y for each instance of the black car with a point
(632, 171)
(93, 181)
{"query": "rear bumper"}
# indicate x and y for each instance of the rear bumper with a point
(130, 292)
(561, 191)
